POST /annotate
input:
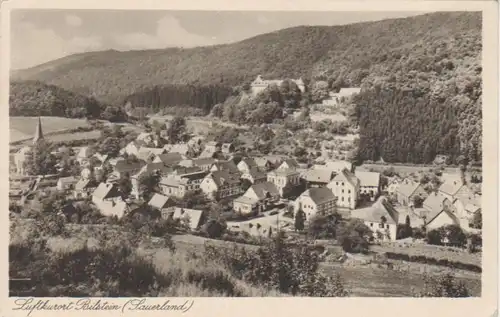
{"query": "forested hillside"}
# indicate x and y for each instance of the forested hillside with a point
(420, 79)
(353, 51)
(33, 98)
(202, 97)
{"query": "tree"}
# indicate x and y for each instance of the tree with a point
(323, 226)
(176, 129)
(444, 285)
(354, 236)
(417, 201)
(148, 184)
(300, 217)
(110, 146)
(125, 185)
(455, 235)
(214, 228)
(434, 237)
(477, 220)
(40, 160)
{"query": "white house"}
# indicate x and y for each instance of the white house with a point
(369, 183)
(345, 186)
(381, 218)
(221, 184)
(108, 199)
(316, 201)
(260, 84)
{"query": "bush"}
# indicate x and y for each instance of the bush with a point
(433, 261)
(443, 286)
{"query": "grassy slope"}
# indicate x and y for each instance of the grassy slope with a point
(350, 50)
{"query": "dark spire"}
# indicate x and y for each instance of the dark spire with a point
(38, 132)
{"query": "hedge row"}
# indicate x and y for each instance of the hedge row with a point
(434, 261)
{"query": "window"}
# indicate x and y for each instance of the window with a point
(371, 224)
(337, 183)
(342, 198)
(342, 191)
(387, 226)
(342, 183)
(349, 191)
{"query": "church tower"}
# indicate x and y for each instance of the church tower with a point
(38, 132)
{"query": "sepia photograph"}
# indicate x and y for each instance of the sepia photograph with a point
(206, 153)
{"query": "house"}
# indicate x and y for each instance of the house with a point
(84, 188)
(369, 183)
(183, 149)
(146, 137)
(317, 177)
(66, 183)
(168, 158)
(210, 150)
(148, 154)
(288, 164)
(382, 218)
(454, 188)
(151, 168)
(259, 84)
(228, 166)
(107, 198)
(182, 181)
(204, 164)
(345, 186)
(227, 148)
(336, 166)
(342, 96)
(246, 164)
(192, 217)
(439, 211)
(263, 163)
(254, 176)
(124, 168)
(316, 201)
(221, 184)
(132, 148)
(392, 185)
(465, 209)
(284, 179)
(161, 202)
(257, 198)
(406, 192)
(84, 155)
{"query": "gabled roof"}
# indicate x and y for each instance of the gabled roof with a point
(224, 178)
(317, 175)
(336, 165)
(434, 202)
(170, 158)
(194, 216)
(159, 201)
(180, 148)
(319, 195)
(155, 167)
(228, 166)
(128, 166)
(407, 189)
(451, 187)
(291, 163)
(84, 184)
(346, 176)
(263, 188)
(369, 179)
(204, 161)
(250, 162)
(283, 172)
(106, 190)
(255, 173)
(245, 200)
(381, 208)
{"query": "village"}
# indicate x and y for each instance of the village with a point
(259, 194)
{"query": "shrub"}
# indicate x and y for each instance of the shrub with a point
(443, 286)
(430, 260)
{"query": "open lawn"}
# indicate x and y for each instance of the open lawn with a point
(22, 128)
(375, 282)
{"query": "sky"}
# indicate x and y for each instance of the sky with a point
(39, 36)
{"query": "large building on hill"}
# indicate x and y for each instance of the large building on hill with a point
(259, 84)
(21, 156)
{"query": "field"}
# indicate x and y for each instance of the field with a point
(22, 128)
(363, 281)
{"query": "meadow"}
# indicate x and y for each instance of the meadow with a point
(23, 128)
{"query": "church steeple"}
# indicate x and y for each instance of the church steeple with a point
(38, 132)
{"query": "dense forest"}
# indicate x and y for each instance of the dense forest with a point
(33, 98)
(167, 96)
(349, 51)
